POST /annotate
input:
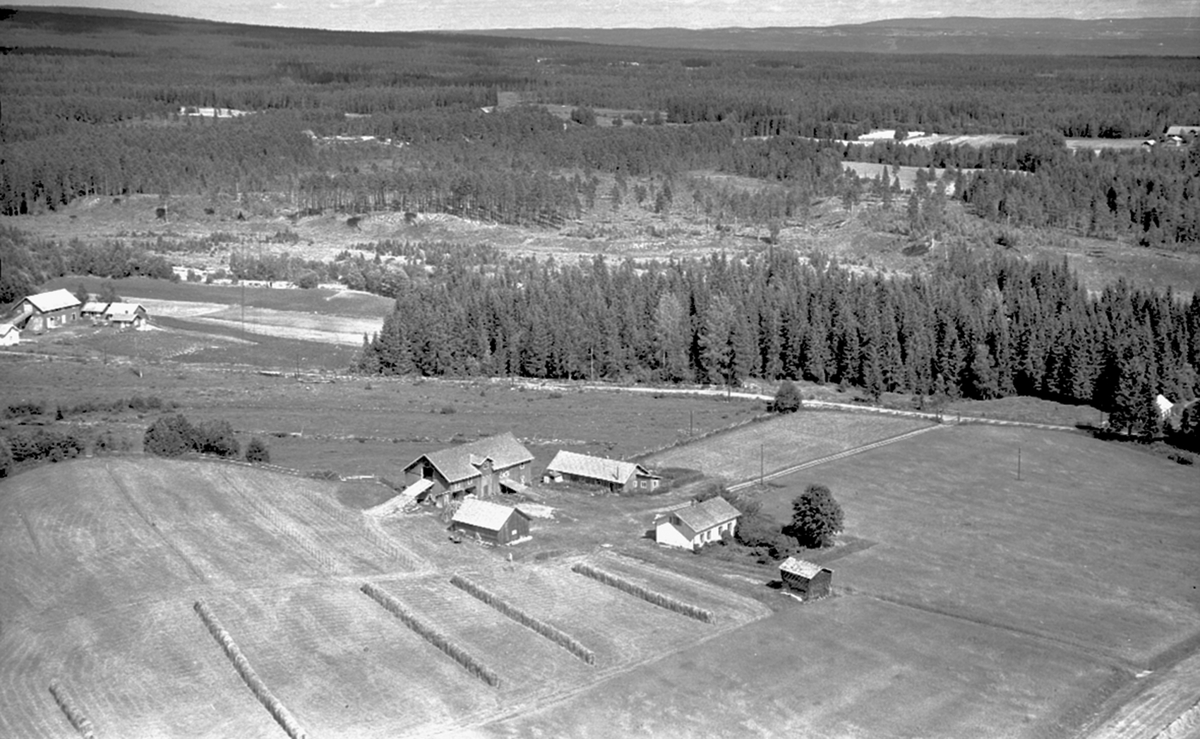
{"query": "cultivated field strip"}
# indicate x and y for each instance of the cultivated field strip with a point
(278, 711)
(26, 708)
(523, 660)
(345, 665)
(1169, 708)
(725, 605)
(72, 710)
(526, 619)
(654, 597)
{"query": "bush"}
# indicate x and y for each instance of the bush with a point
(257, 451)
(816, 518)
(217, 437)
(787, 398)
(170, 436)
(6, 458)
(45, 444)
(25, 408)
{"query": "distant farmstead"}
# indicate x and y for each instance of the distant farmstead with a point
(484, 467)
(611, 473)
(804, 577)
(489, 522)
(696, 524)
(47, 311)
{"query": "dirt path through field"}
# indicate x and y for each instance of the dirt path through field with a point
(1168, 707)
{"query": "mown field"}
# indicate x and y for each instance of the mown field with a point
(101, 561)
(783, 441)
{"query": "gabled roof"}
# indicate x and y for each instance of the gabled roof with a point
(6, 328)
(706, 515)
(462, 462)
(801, 567)
(94, 306)
(116, 310)
(53, 300)
(483, 514)
(595, 468)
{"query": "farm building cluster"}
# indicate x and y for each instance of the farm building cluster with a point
(47, 311)
(472, 476)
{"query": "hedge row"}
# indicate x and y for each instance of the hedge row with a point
(278, 711)
(559, 637)
(81, 722)
(432, 635)
(650, 596)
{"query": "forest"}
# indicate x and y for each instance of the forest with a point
(100, 114)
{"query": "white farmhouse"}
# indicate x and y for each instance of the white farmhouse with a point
(696, 524)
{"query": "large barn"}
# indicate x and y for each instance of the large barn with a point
(46, 311)
(696, 524)
(484, 467)
(490, 522)
(610, 473)
(807, 579)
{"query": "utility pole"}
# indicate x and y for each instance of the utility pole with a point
(1018, 462)
(761, 465)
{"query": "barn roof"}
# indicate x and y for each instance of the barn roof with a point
(462, 462)
(483, 514)
(94, 306)
(706, 515)
(53, 300)
(801, 567)
(595, 468)
(6, 328)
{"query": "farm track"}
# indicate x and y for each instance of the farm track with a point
(830, 458)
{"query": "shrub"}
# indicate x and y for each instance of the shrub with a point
(257, 451)
(816, 518)
(787, 398)
(25, 408)
(430, 634)
(45, 444)
(6, 458)
(561, 638)
(216, 437)
(650, 596)
(277, 710)
(170, 436)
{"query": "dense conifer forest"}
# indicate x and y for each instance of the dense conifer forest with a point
(466, 125)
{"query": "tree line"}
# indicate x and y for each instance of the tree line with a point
(979, 326)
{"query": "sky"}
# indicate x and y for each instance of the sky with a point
(449, 15)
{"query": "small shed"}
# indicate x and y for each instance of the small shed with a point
(808, 579)
(10, 335)
(490, 522)
(94, 310)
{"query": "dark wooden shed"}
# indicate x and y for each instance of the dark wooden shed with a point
(807, 579)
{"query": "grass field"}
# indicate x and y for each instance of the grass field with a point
(780, 442)
(1094, 548)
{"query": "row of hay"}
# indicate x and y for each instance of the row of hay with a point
(650, 596)
(559, 637)
(69, 707)
(432, 635)
(278, 711)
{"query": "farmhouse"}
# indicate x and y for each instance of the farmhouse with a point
(94, 310)
(9, 335)
(126, 315)
(48, 310)
(806, 578)
(490, 522)
(696, 524)
(483, 467)
(610, 473)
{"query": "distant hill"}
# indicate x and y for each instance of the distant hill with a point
(1042, 36)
